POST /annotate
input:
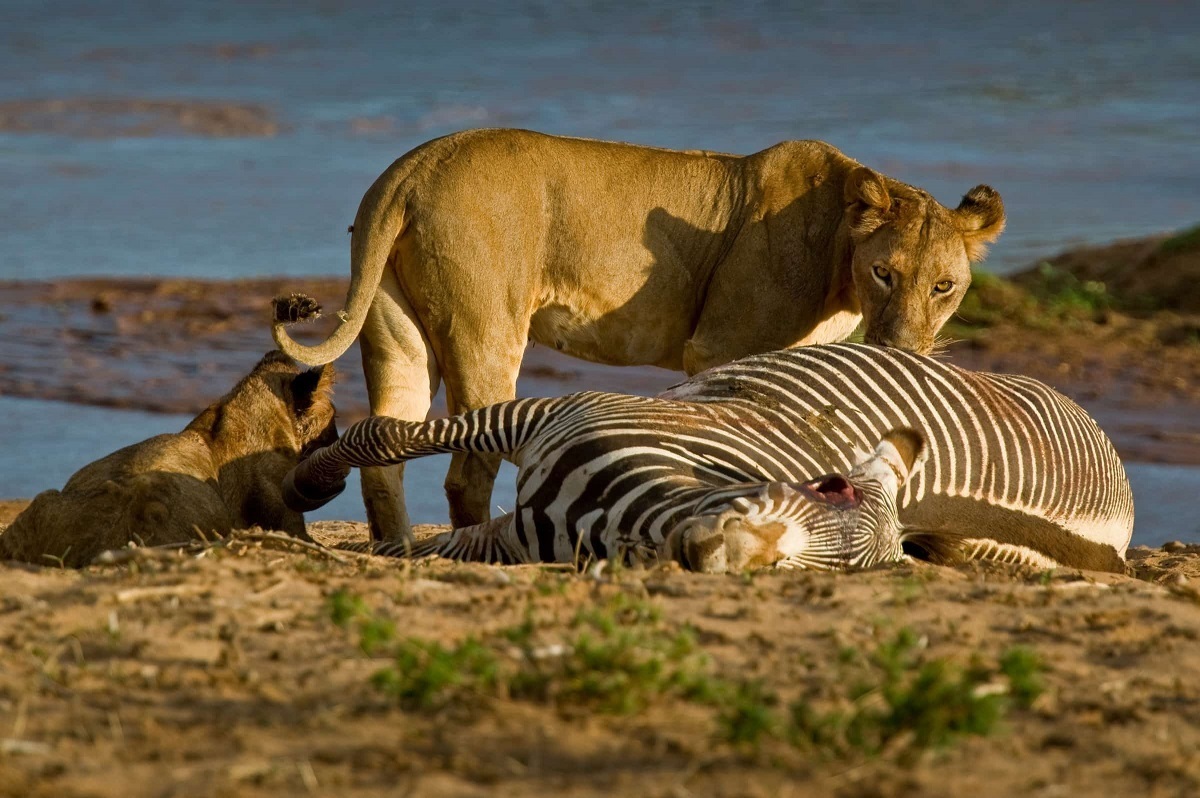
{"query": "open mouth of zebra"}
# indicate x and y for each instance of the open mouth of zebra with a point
(833, 489)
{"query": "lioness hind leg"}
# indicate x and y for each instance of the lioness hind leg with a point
(402, 377)
(478, 375)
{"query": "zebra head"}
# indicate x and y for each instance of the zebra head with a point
(833, 522)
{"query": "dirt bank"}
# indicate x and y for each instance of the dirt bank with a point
(229, 673)
(251, 669)
(135, 117)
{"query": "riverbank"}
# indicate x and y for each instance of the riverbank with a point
(1131, 358)
(253, 667)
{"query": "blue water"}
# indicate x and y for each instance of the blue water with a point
(1085, 116)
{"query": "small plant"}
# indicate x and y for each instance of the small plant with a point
(620, 657)
(345, 607)
(746, 714)
(1181, 242)
(911, 704)
(425, 675)
(1023, 669)
(374, 631)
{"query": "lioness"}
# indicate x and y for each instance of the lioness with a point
(472, 245)
(222, 472)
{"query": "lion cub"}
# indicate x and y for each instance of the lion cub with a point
(222, 472)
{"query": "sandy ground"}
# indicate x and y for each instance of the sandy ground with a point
(224, 674)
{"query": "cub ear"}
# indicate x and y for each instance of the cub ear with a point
(867, 201)
(312, 399)
(980, 218)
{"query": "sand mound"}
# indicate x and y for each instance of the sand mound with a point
(102, 117)
(1155, 273)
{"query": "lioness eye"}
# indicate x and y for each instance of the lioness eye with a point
(883, 274)
(944, 286)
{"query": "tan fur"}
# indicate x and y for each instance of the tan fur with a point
(474, 244)
(222, 472)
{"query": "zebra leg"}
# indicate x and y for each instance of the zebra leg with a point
(402, 377)
(494, 542)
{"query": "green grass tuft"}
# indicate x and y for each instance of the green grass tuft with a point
(621, 656)
(425, 675)
(1186, 241)
(904, 703)
(746, 714)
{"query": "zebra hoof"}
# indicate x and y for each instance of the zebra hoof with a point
(303, 502)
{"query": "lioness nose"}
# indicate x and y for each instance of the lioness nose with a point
(902, 339)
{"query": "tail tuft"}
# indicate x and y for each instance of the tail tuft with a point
(294, 308)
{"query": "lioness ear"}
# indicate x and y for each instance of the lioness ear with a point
(312, 398)
(867, 201)
(980, 218)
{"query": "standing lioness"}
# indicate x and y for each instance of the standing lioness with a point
(471, 245)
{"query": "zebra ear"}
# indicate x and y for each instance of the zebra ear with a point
(897, 456)
(909, 446)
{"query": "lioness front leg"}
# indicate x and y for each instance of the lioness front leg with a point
(469, 487)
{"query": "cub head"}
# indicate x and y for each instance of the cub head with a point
(912, 256)
(832, 522)
(277, 407)
(259, 431)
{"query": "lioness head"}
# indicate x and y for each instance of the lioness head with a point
(912, 255)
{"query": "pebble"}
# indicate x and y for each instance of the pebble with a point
(1174, 546)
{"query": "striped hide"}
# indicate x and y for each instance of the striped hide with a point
(1016, 470)
(1008, 469)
